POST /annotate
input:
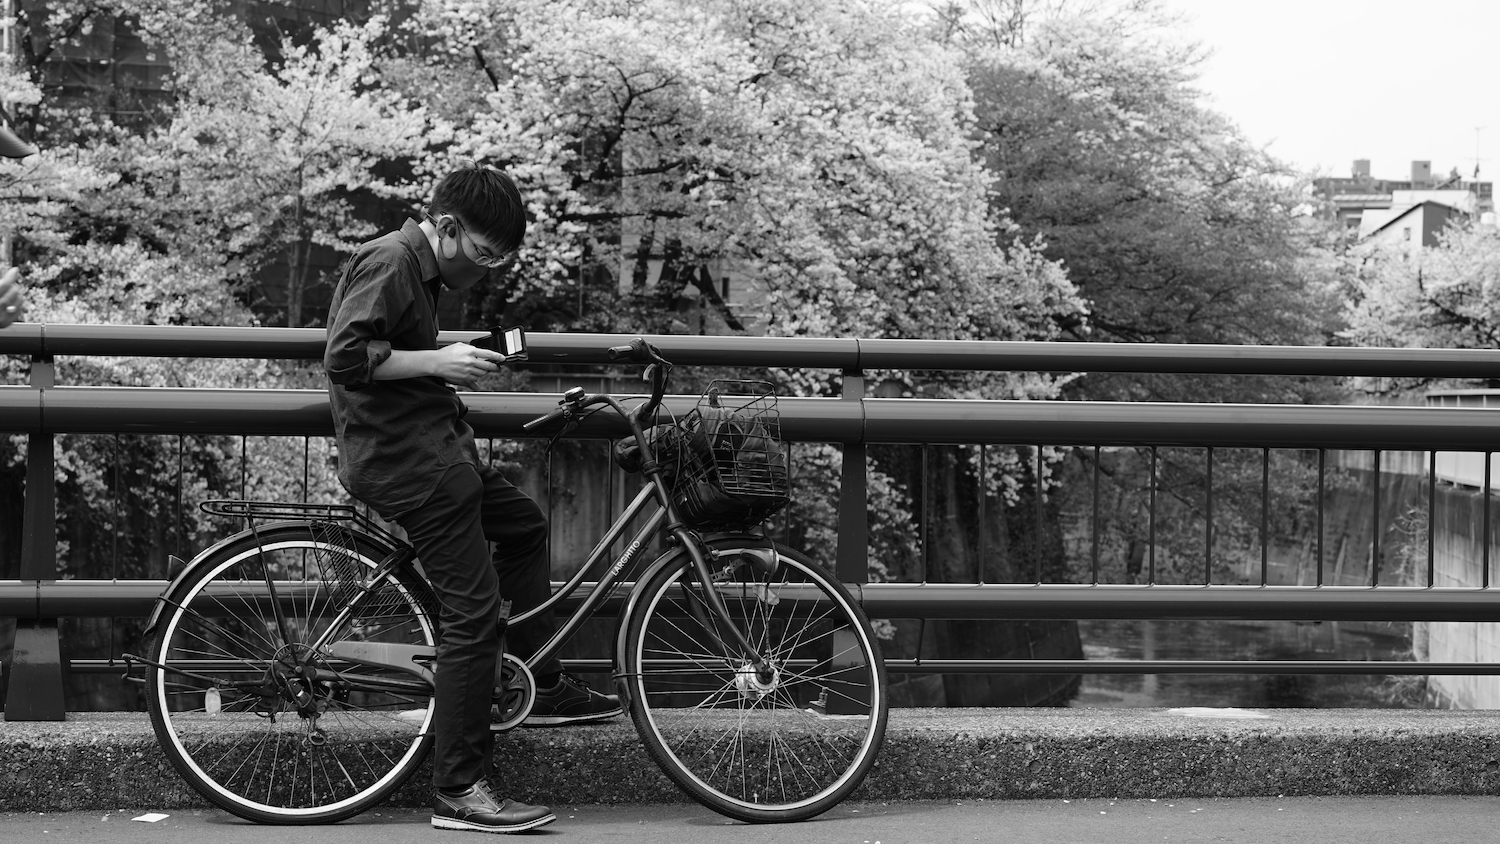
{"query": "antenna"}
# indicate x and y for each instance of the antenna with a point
(1477, 158)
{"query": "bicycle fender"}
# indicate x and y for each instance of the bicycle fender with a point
(722, 543)
(198, 560)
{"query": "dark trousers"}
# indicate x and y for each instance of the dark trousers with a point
(451, 531)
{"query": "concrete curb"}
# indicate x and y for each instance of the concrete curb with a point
(111, 760)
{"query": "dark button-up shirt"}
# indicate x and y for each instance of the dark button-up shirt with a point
(397, 437)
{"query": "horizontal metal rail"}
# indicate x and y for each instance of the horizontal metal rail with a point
(1185, 666)
(158, 410)
(1222, 602)
(134, 598)
(47, 340)
(1064, 666)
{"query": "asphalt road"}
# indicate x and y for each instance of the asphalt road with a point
(1317, 820)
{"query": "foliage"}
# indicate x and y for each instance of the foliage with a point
(1444, 297)
(1174, 227)
(819, 147)
(822, 152)
(169, 223)
(279, 154)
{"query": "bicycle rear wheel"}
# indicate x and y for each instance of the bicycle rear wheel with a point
(251, 715)
(784, 745)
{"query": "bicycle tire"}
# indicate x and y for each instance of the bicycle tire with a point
(258, 757)
(786, 750)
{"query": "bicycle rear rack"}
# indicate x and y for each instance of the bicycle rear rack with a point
(264, 510)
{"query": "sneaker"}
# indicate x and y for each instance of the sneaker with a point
(477, 810)
(571, 703)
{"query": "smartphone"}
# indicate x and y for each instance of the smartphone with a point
(510, 342)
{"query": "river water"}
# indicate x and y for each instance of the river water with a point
(1175, 639)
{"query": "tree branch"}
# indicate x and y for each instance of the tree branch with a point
(484, 66)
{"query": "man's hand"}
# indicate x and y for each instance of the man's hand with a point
(464, 365)
(12, 306)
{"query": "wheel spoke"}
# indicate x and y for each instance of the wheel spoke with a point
(341, 743)
(746, 743)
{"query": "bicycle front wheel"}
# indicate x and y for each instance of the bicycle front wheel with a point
(784, 743)
(248, 704)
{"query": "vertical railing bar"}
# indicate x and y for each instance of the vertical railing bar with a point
(1485, 526)
(1322, 470)
(114, 542)
(1375, 528)
(926, 489)
(1094, 561)
(547, 484)
(1037, 543)
(984, 509)
(1208, 523)
(244, 466)
(306, 468)
(1151, 527)
(791, 477)
(1431, 513)
(1265, 515)
(181, 476)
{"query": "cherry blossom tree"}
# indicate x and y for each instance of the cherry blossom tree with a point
(279, 154)
(1173, 225)
(1444, 297)
(822, 149)
(256, 160)
(824, 153)
(170, 220)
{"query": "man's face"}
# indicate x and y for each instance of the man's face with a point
(472, 255)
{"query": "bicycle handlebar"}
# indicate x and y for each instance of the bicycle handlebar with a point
(637, 351)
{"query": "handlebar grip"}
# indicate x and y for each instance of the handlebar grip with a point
(543, 420)
(616, 352)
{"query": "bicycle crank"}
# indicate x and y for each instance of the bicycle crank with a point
(515, 694)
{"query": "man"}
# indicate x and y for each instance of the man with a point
(12, 306)
(405, 450)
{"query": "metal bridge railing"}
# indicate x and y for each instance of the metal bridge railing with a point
(42, 409)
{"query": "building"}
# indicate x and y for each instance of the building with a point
(1374, 206)
(1410, 226)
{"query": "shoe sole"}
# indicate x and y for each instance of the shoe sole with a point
(561, 720)
(465, 826)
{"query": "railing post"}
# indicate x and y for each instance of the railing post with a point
(35, 692)
(853, 557)
(854, 509)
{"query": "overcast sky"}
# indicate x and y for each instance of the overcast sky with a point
(1323, 82)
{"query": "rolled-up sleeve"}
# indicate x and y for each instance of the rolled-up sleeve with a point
(366, 310)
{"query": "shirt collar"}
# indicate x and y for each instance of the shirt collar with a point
(417, 240)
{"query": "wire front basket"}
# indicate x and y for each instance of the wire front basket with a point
(731, 462)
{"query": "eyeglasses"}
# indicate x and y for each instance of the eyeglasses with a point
(478, 255)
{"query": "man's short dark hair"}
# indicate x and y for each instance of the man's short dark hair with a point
(486, 200)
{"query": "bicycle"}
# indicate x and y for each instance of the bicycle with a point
(289, 668)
